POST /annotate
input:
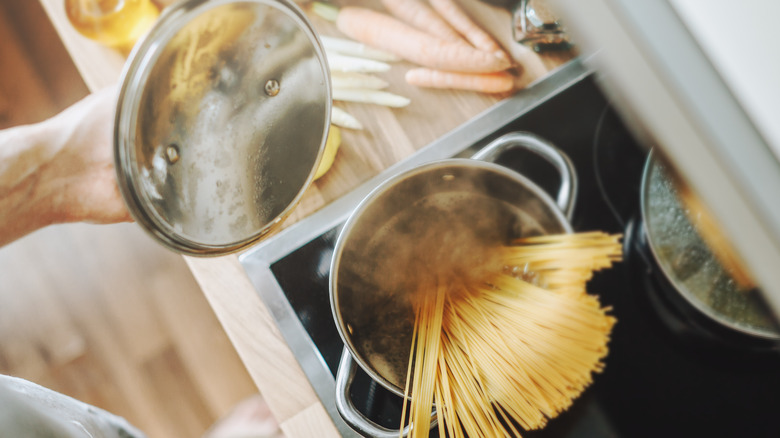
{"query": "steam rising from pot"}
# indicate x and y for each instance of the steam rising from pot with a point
(441, 224)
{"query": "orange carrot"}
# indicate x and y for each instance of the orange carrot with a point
(499, 82)
(454, 15)
(421, 16)
(385, 32)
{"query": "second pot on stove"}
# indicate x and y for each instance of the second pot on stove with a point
(445, 213)
(692, 274)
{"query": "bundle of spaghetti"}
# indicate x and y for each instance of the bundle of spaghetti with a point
(505, 354)
(565, 262)
(426, 340)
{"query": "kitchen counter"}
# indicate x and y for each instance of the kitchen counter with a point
(389, 136)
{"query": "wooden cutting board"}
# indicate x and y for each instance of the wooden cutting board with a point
(393, 134)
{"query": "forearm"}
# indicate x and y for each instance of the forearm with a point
(27, 201)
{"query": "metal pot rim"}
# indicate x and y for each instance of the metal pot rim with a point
(385, 187)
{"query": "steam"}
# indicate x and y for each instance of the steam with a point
(445, 236)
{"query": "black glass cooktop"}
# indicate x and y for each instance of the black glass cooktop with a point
(655, 383)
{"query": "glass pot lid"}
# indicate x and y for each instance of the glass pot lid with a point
(222, 119)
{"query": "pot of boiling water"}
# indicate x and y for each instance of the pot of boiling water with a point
(444, 214)
(695, 266)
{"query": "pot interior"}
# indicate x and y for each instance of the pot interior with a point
(442, 220)
(690, 265)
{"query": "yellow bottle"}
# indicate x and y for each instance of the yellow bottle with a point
(114, 23)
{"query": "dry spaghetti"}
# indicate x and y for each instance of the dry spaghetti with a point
(515, 349)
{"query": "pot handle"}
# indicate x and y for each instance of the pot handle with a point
(353, 417)
(567, 193)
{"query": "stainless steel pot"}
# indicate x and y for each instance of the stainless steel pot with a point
(688, 263)
(446, 213)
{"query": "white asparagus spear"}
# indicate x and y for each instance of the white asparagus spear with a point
(339, 117)
(354, 48)
(356, 80)
(353, 64)
(370, 96)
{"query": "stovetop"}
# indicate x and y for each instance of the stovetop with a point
(655, 383)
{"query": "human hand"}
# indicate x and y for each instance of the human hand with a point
(60, 170)
(83, 166)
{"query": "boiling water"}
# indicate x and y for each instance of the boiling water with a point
(692, 267)
(448, 235)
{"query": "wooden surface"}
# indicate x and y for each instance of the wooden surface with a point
(390, 136)
(102, 313)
